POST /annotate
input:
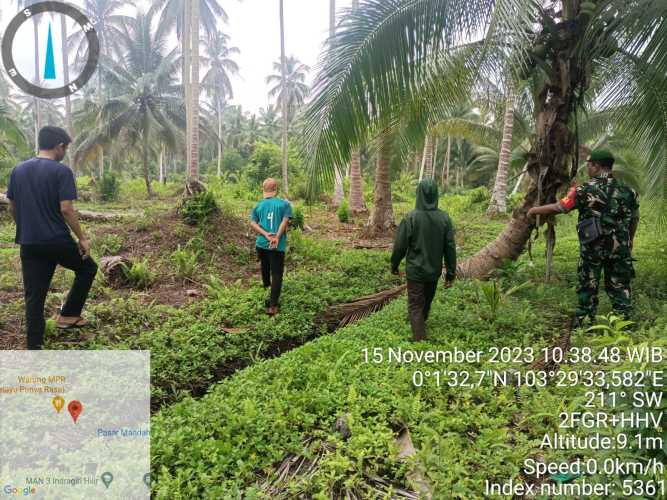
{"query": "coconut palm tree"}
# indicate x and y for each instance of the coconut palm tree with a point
(388, 54)
(357, 204)
(173, 16)
(294, 91)
(284, 105)
(268, 120)
(338, 194)
(218, 56)
(108, 27)
(180, 14)
(192, 129)
(290, 91)
(13, 137)
(498, 203)
(49, 109)
(149, 111)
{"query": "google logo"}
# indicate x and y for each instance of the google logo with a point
(19, 492)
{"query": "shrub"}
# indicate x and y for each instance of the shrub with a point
(479, 195)
(298, 219)
(196, 245)
(196, 209)
(145, 221)
(138, 275)
(111, 244)
(185, 262)
(108, 188)
(344, 213)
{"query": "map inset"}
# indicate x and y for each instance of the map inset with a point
(75, 424)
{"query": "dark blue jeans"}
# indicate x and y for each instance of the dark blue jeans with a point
(38, 263)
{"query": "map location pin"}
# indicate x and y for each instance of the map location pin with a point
(75, 408)
(58, 403)
(107, 477)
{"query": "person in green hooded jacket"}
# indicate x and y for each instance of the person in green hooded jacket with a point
(424, 238)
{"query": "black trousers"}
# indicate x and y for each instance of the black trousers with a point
(420, 298)
(273, 268)
(38, 263)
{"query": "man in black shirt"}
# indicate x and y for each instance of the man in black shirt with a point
(41, 196)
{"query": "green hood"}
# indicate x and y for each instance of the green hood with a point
(427, 195)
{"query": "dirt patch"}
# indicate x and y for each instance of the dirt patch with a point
(227, 252)
(325, 225)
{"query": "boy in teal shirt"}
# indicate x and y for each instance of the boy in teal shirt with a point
(269, 219)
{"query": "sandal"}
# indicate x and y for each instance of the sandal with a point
(79, 323)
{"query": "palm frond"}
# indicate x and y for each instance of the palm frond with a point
(386, 50)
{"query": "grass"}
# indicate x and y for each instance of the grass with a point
(235, 392)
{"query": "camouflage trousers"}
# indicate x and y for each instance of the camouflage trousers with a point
(618, 273)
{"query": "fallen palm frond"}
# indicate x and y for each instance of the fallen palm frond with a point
(295, 469)
(341, 315)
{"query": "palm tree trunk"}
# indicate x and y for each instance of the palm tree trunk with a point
(161, 165)
(357, 204)
(498, 203)
(68, 101)
(193, 170)
(427, 160)
(219, 137)
(100, 101)
(445, 165)
(187, 77)
(144, 158)
(449, 161)
(38, 114)
(339, 193)
(382, 218)
(283, 70)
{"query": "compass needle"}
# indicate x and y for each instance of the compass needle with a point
(50, 66)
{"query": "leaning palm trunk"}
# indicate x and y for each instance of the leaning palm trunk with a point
(356, 184)
(498, 203)
(547, 167)
(382, 218)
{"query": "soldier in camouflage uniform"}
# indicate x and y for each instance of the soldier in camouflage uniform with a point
(616, 208)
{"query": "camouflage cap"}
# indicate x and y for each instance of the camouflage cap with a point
(601, 156)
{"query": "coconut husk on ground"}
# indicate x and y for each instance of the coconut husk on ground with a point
(113, 269)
